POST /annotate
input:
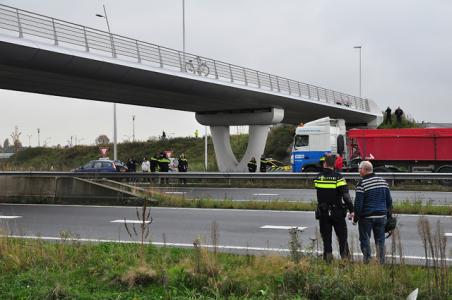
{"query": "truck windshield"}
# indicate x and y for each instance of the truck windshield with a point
(301, 141)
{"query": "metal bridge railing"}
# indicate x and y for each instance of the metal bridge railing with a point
(220, 175)
(31, 25)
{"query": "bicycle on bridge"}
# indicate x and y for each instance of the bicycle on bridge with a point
(199, 67)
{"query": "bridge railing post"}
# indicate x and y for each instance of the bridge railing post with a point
(55, 37)
(160, 56)
(113, 50)
(86, 39)
(277, 83)
(288, 85)
(19, 24)
(215, 69)
(230, 73)
(258, 79)
(309, 91)
(244, 76)
(138, 51)
(270, 79)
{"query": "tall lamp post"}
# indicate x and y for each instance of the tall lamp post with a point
(359, 47)
(39, 138)
(183, 49)
(133, 132)
(115, 129)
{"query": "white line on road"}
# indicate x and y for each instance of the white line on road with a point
(130, 221)
(448, 234)
(51, 238)
(265, 194)
(299, 228)
(175, 193)
(10, 217)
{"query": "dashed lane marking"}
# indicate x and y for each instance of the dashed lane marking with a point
(175, 193)
(10, 217)
(448, 234)
(299, 228)
(265, 194)
(130, 221)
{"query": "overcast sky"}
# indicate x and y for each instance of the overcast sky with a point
(406, 56)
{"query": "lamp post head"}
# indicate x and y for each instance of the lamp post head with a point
(100, 16)
(357, 47)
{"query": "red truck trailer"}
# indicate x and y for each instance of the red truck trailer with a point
(405, 149)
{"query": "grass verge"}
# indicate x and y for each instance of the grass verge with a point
(71, 270)
(406, 207)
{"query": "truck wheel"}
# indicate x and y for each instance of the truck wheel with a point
(445, 169)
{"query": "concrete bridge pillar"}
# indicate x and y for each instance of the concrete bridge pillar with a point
(259, 122)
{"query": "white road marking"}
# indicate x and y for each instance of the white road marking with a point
(10, 217)
(175, 193)
(130, 221)
(299, 228)
(226, 247)
(447, 234)
(265, 194)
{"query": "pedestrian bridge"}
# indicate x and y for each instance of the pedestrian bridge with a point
(40, 54)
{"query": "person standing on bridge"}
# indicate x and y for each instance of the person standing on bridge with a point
(388, 115)
(264, 164)
(399, 113)
(333, 200)
(373, 204)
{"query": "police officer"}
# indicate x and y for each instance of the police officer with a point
(163, 163)
(333, 200)
(153, 163)
(264, 163)
(182, 166)
(252, 165)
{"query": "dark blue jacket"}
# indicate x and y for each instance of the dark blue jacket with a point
(373, 197)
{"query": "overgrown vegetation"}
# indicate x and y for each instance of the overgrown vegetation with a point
(68, 269)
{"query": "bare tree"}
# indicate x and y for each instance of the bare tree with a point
(15, 136)
(102, 140)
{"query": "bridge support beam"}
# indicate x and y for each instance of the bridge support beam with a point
(259, 122)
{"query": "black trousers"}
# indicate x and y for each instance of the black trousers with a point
(327, 223)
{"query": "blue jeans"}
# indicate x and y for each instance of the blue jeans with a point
(365, 227)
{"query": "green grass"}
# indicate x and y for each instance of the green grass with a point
(406, 207)
(71, 270)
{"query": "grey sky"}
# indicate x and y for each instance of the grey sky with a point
(406, 51)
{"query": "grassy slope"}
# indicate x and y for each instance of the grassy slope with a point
(193, 148)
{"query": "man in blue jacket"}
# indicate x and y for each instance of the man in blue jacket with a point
(373, 203)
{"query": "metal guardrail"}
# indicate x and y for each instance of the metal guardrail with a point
(226, 176)
(67, 34)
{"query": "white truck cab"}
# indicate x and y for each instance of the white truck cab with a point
(315, 139)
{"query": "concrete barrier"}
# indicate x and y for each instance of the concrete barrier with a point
(61, 190)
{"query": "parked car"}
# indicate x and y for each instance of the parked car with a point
(103, 165)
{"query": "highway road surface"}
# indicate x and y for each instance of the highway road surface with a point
(305, 195)
(238, 230)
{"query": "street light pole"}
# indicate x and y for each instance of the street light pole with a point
(115, 127)
(39, 139)
(359, 47)
(183, 49)
(133, 133)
